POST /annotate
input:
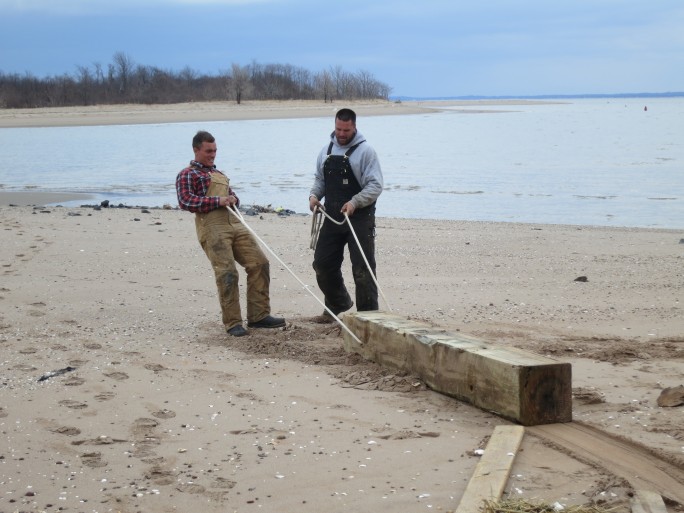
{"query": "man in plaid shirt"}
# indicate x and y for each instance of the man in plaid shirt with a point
(205, 191)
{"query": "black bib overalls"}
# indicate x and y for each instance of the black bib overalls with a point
(340, 186)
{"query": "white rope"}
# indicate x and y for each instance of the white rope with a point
(340, 223)
(237, 214)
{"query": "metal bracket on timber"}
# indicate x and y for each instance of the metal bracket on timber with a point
(517, 385)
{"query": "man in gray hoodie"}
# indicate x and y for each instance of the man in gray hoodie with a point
(349, 177)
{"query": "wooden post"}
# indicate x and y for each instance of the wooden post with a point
(518, 385)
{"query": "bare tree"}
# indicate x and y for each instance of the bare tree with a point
(123, 81)
(123, 66)
(85, 83)
(324, 84)
(240, 81)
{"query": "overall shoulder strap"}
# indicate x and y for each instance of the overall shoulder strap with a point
(351, 150)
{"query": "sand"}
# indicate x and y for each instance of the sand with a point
(157, 410)
(200, 111)
(225, 111)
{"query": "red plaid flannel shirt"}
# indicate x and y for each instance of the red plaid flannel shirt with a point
(192, 184)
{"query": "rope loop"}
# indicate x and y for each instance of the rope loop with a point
(316, 223)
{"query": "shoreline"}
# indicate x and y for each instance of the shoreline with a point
(47, 199)
(39, 198)
(130, 114)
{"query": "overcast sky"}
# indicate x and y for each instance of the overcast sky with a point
(420, 48)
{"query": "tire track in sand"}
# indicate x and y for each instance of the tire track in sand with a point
(643, 469)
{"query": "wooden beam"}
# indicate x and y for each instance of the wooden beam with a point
(518, 385)
(492, 471)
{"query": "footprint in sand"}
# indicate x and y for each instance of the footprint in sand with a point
(164, 414)
(92, 345)
(144, 427)
(406, 434)
(74, 405)
(155, 367)
(118, 376)
(160, 476)
(73, 381)
(67, 430)
(144, 431)
(190, 488)
(249, 395)
(145, 451)
(93, 459)
(3, 412)
(105, 396)
(250, 431)
(223, 483)
(102, 440)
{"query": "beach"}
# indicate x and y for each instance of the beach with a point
(122, 392)
(200, 111)
(225, 111)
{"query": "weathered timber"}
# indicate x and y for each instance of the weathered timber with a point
(491, 472)
(518, 385)
(645, 501)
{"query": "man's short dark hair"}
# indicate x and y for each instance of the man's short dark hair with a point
(202, 137)
(346, 115)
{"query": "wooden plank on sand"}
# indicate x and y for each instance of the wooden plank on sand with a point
(491, 473)
(645, 501)
(518, 385)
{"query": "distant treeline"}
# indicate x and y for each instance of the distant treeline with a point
(124, 81)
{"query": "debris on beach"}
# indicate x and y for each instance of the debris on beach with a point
(524, 506)
(59, 372)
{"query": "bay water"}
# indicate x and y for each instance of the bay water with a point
(603, 162)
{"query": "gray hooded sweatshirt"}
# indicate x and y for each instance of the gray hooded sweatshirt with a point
(365, 165)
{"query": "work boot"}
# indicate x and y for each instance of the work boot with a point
(268, 322)
(324, 318)
(237, 331)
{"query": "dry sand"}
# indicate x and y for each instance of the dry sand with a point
(201, 111)
(225, 111)
(162, 412)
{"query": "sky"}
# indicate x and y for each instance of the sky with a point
(419, 48)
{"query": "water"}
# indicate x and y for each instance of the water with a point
(586, 162)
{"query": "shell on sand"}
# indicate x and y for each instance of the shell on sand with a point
(672, 396)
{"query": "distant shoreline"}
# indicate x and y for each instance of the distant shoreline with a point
(546, 97)
(135, 114)
(39, 198)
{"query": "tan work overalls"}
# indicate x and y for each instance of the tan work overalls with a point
(225, 240)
